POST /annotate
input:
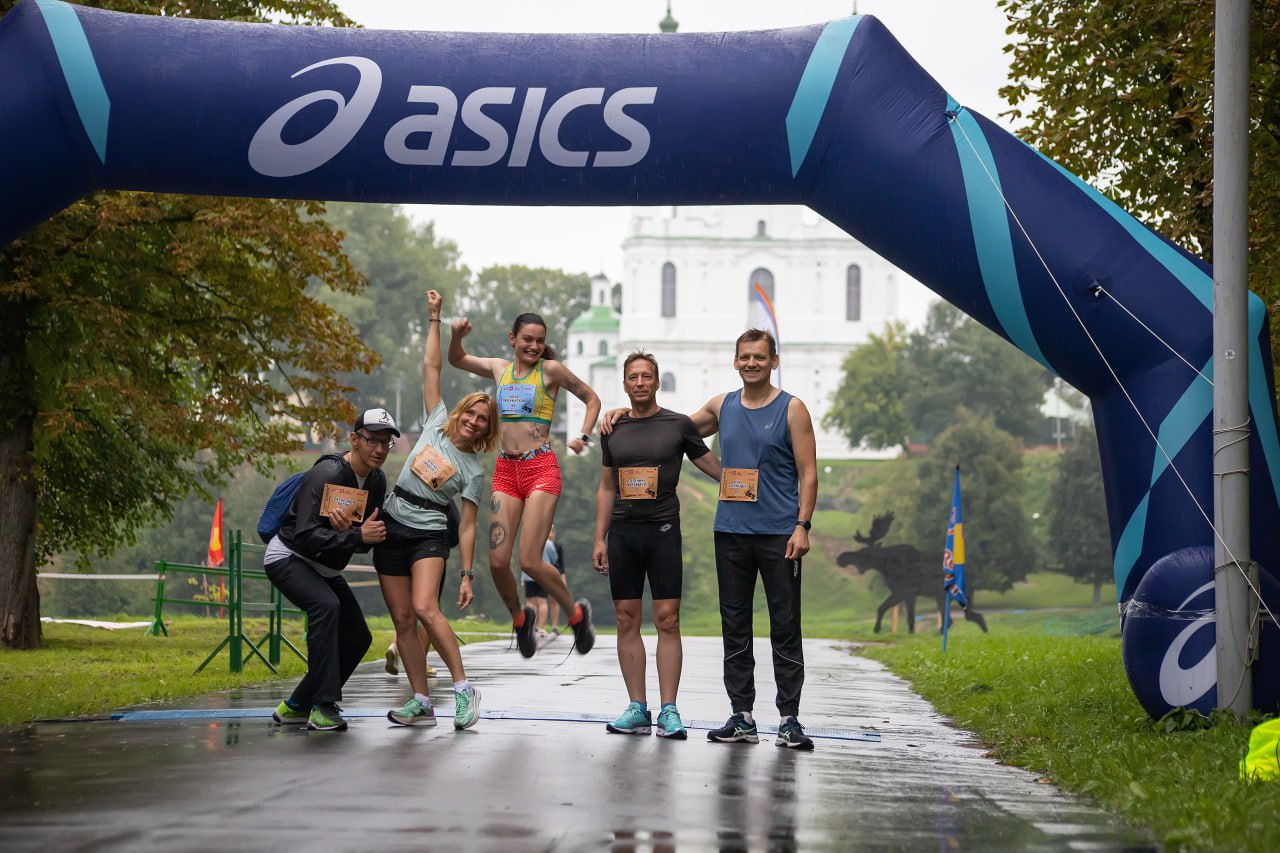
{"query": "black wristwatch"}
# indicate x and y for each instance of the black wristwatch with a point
(585, 438)
(807, 525)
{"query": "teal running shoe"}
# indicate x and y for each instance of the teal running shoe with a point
(736, 729)
(286, 716)
(636, 720)
(669, 723)
(466, 708)
(414, 713)
(326, 717)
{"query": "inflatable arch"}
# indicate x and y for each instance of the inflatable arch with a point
(836, 116)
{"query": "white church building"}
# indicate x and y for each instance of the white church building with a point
(694, 278)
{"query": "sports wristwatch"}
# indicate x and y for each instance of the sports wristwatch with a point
(807, 525)
(468, 573)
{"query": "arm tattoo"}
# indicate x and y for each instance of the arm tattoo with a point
(574, 386)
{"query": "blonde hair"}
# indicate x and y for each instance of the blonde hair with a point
(488, 442)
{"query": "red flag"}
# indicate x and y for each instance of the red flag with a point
(215, 537)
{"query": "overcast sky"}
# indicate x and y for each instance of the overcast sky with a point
(959, 42)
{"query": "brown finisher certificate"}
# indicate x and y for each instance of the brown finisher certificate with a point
(345, 497)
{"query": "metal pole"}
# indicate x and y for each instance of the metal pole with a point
(1230, 354)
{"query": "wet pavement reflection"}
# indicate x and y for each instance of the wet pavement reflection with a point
(535, 776)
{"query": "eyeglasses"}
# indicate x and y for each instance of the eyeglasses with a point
(387, 442)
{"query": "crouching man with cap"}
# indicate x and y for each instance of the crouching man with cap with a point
(333, 516)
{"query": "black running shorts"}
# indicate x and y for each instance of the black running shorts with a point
(639, 550)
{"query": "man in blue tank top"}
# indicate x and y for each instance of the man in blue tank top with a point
(768, 490)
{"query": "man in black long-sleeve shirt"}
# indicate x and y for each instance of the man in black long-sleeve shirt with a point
(305, 562)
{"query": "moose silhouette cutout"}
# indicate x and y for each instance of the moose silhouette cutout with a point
(909, 572)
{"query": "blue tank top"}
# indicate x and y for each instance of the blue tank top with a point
(760, 439)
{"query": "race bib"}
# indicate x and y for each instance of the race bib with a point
(515, 401)
(738, 484)
(638, 484)
(345, 498)
(432, 468)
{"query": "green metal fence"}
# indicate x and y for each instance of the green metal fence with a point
(240, 647)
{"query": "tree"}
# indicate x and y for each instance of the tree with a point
(869, 407)
(402, 261)
(910, 385)
(138, 338)
(1078, 532)
(1121, 93)
(999, 547)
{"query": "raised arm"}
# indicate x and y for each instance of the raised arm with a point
(805, 447)
(557, 375)
(604, 511)
(431, 359)
(489, 368)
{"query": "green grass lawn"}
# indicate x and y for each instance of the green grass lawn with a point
(1061, 707)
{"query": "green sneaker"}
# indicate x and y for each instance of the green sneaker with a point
(636, 720)
(414, 713)
(326, 717)
(286, 716)
(466, 708)
(669, 723)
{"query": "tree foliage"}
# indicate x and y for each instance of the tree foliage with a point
(901, 385)
(1078, 527)
(999, 548)
(140, 337)
(1121, 93)
(401, 260)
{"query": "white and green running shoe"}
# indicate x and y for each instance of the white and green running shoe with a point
(414, 713)
(636, 720)
(466, 708)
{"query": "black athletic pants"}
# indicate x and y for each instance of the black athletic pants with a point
(337, 636)
(739, 558)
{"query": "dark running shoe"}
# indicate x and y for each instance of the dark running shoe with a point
(326, 717)
(735, 730)
(527, 634)
(584, 634)
(791, 735)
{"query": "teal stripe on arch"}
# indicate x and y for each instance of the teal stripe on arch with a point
(1195, 404)
(1129, 548)
(1260, 395)
(1177, 428)
(80, 70)
(991, 237)
(814, 90)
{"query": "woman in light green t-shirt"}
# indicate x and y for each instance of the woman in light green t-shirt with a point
(445, 463)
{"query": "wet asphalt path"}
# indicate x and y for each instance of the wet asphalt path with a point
(538, 772)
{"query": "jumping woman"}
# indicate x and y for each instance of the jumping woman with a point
(526, 475)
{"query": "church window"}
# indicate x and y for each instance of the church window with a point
(604, 347)
(853, 293)
(668, 289)
(668, 381)
(580, 347)
(762, 277)
(762, 229)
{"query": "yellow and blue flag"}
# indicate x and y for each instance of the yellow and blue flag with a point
(953, 561)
